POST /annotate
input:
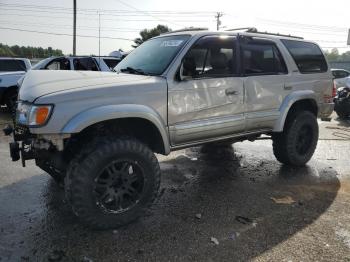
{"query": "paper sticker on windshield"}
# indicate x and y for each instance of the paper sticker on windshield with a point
(171, 43)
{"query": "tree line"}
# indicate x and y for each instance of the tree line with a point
(335, 56)
(28, 51)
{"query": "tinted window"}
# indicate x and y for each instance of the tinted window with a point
(111, 63)
(85, 64)
(262, 58)
(58, 64)
(10, 65)
(340, 73)
(211, 56)
(307, 56)
(154, 55)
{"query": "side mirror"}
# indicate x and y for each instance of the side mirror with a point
(187, 69)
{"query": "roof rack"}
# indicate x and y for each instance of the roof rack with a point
(255, 31)
(248, 29)
(187, 29)
(278, 34)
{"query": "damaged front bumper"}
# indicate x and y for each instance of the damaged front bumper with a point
(21, 147)
(27, 146)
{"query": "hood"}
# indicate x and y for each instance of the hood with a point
(38, 83)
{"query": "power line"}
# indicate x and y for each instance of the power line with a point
(207, 13)
(305, 26)
(132, 7)
(62, 34)
(105, 19)
(131, 13)
(64, 26)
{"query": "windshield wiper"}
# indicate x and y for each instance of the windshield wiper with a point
(133, 70)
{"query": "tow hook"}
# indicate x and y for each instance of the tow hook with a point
(8, 130)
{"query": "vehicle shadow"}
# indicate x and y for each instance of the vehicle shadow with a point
(205, 192)
(345, 122)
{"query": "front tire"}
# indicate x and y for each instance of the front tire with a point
(112, 182)
(297, 143)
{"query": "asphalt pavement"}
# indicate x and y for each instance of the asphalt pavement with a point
(233, 203)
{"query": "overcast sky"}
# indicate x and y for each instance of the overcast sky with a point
(325, 22)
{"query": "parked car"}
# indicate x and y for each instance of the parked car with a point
(80, 63)
(340, 77)
(11, 70)
(342, 102)
(97, 133)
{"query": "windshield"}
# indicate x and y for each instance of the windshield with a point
(153, 56)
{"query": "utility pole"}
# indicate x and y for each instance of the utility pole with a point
(74, 27)
(218, 21)
(99, 38)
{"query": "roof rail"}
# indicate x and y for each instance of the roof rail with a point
(248, 29)
(187, 29)
(255, 31)
(278, 34)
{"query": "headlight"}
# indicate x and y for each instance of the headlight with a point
(33, 115)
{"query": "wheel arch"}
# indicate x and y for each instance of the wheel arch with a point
(137, 116)
(299, 100)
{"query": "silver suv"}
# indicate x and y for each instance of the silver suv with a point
(96, 132)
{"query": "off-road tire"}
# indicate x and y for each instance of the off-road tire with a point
(85, 167)
(285, 144)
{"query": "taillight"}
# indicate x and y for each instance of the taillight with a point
(334, 91)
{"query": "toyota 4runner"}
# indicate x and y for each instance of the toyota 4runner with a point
(96, 132)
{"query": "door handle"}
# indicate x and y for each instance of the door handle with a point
(230, 92)
(288, 87)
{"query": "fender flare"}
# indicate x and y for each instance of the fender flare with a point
(110, 112)
(288, 102)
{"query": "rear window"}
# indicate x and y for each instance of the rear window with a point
(10, 65)
(307, 56)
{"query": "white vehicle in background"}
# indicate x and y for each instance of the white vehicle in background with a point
(11, 70)
(340, 77)
(80, 63)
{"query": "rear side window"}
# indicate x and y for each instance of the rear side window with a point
(111, 63)
(340, 73)
(307, 56)
(260, 57)
(11, 65)
(85, 64)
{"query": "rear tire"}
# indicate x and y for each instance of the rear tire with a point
(112, 182)
(297, 143)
